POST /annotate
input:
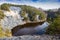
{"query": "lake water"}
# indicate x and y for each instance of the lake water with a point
(38, 30)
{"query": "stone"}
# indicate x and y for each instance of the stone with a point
(30, 37)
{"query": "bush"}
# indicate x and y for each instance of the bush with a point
(54, 27)
(5, 7)
(1, 14)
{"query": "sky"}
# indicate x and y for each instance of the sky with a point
(44, 4)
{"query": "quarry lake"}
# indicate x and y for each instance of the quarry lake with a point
(38, 30)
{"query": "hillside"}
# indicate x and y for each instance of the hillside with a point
(13, 15)
(31, 11)
(21, 14)
(53, 17)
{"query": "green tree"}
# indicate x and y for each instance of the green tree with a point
(23, 14)
(5, 7)
(54, 27)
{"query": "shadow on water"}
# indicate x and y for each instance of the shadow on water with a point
(30, 29)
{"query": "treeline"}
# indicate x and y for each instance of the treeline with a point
(54, 27)
(31, 11)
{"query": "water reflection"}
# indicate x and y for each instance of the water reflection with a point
(38, 30)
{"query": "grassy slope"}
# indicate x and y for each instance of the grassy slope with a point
(32, 11)
(4, 33)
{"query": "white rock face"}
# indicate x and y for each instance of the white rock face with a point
(37, 17)
(12, 18)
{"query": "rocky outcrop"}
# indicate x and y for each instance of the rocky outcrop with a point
(17, 16)
(34, 37)
(14, 18)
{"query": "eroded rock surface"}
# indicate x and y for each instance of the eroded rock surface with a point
(29, 37)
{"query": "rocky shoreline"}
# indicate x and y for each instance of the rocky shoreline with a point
(34, 37)
(25, 25)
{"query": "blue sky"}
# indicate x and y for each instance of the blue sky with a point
(44, 4)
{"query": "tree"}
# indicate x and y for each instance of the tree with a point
(32, 11)
(24, 15)
(5, 7)
(54, 27)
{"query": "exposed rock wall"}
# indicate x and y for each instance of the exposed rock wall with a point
(29, 37)
(12, 18)
(10, 22)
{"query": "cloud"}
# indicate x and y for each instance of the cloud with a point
(34, 0)
(44, 4)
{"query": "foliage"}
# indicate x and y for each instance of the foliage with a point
(8, 33)
(24, 15)
(1, 14)
(4, 33)
(5, 7)
(32, 11)
(54, 27)
(1, 32)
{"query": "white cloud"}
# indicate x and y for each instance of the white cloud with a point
(43, 5)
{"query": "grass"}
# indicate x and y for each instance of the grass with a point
(5, 33)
